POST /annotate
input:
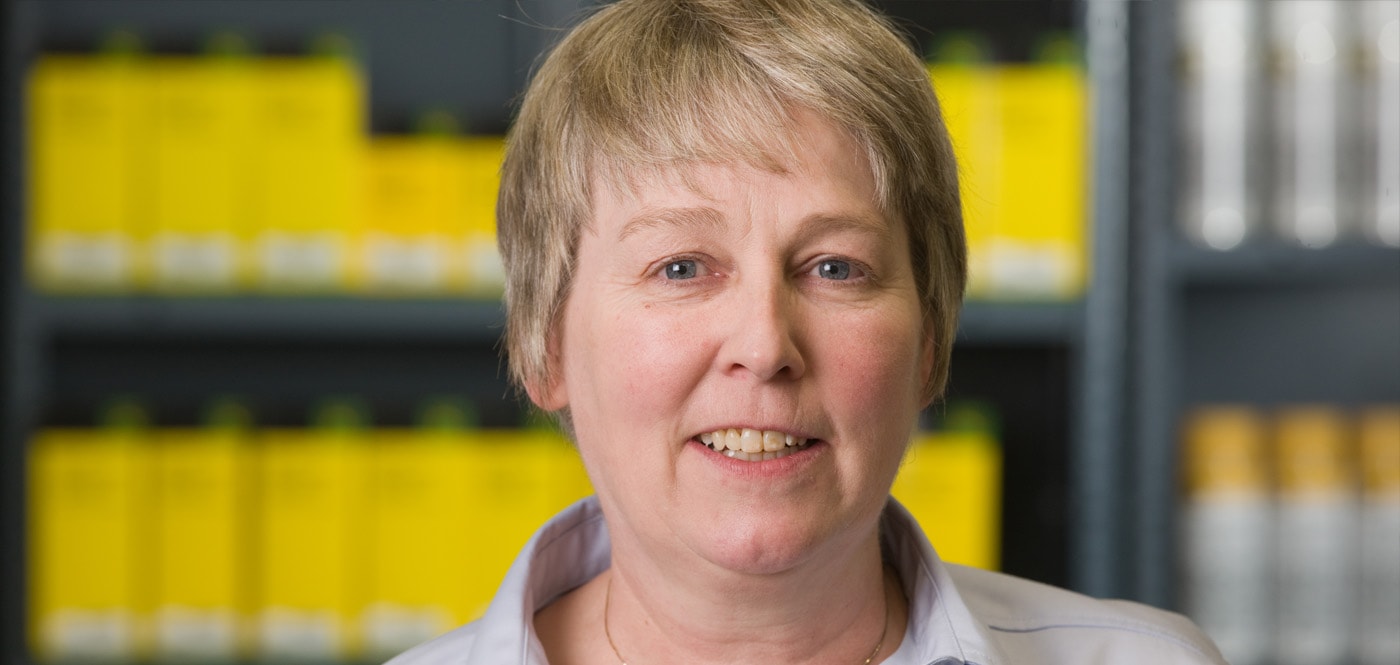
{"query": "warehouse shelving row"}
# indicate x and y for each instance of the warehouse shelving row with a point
(68, 355)
(1089, 391)
(1267, 324)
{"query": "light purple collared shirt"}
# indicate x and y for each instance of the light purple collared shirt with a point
(957, 615)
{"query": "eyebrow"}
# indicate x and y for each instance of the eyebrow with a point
(827, 223)
(710, 220)
(706, 219)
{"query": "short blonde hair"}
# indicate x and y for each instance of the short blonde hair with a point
(645, 85)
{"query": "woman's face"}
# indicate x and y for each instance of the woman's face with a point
(766, 307)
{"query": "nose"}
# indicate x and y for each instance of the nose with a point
(763, 336)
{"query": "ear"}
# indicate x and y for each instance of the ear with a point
(550, 391)
(547, 393)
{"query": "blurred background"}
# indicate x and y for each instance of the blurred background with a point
(254, 408)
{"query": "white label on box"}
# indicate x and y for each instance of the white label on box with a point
(185, 260)
(390, 628)
(184, 633)
(301, 260)
(484, 269)
(1031, 269)
(86, 259)
(409, 263)
(299, 634)
(89, 635)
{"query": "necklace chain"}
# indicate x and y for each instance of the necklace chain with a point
(607, 604)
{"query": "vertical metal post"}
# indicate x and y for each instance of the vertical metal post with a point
(1156, 307)
(1096, 458)
(18, 400)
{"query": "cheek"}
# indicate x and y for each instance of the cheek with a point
(635, 366)
(877, 375)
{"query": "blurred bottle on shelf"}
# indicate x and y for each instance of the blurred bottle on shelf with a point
(309, 123)
(1377, 38)
(203, 151)
(475, 173)
(201, 581)
(1311, 88)
(310, 550)
(87, 168)
(407, 238)
(1020, 132)
(950, 482)
(89, 524)
(1220, 70)
(1315, 537)
(1378, 641)
(419, 579)
(967, 97)
(1225, 526)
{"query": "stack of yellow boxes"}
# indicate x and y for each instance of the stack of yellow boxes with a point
(338, 541)
(229, 173)
(331, 542)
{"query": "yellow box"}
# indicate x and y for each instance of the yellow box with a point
(951, 483)
(88, 170)
(203, 167)
(89, 544)
(310, 548)
(967, 96)
(421, 547)
(1038, 244)
(510, 499)
(309, 124)
(202, 530)
(475, 171)
(408, 241)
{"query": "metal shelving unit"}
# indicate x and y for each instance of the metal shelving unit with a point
(1057, 371)
(1266, 324)
(465, 321)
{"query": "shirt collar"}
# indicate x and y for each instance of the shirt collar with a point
(575, 547)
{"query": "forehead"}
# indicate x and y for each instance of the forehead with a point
(812, 156)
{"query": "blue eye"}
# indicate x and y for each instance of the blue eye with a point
(684, 269)
(834, 270)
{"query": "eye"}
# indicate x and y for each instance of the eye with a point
(682, 269)
(833, 269)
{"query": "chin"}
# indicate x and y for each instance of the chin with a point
(763, 545)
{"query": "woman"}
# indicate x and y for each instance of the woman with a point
(735, 259)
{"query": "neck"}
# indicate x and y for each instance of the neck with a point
(831, 610)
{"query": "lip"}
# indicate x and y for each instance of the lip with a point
(785, 466)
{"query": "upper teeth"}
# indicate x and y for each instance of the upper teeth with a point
(750, 440)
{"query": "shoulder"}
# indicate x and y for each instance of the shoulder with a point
(1034, 622)
(451, 648)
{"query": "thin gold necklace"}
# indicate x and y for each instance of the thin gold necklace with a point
(607, 604)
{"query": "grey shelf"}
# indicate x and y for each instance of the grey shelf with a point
(986, 323)
(436, 319)
(233, 318)
(1278, 264)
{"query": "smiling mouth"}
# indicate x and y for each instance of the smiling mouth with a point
(752, 445)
